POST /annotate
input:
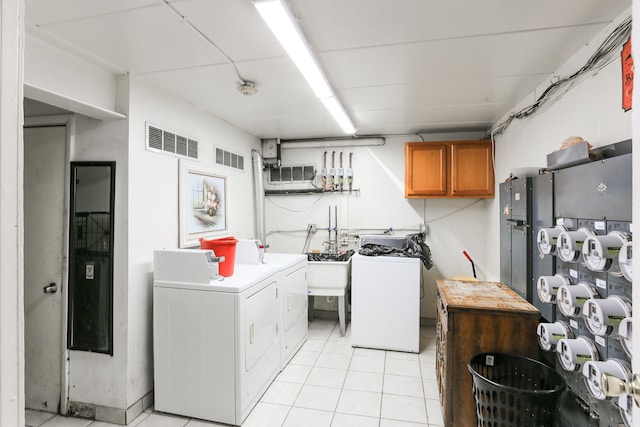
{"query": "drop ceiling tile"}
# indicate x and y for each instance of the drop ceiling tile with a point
(235, 26)
(46, 12)
(445, 92)
(280, 88)
(140, 40)
(489, 56)
(346, 24)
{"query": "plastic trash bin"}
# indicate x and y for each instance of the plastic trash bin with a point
(514, 391)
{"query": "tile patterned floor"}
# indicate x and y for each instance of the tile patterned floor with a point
(327, 384)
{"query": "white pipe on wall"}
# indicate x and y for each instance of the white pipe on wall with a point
(256, 157)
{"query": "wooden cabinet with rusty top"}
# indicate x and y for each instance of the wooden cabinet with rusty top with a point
(472, 318)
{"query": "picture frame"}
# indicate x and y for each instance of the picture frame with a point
(203, 204)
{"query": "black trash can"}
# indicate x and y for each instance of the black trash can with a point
(514, 391)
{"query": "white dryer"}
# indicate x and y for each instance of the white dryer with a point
(218, 345)
(385, 302)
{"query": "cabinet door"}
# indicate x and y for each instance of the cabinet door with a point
(426, 169)
(472, 169)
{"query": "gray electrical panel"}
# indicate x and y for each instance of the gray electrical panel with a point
(541, 216)
(548, 223)
(558, 227)
(595, 197)
(597, 190)
(505, 233)
(526, 204)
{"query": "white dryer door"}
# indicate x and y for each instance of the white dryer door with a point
(295, 296)
(261, 322)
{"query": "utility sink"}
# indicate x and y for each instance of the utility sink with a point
(328, 274)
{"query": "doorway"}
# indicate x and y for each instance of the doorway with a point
(45, 219)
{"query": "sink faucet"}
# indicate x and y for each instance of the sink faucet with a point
(330, 247)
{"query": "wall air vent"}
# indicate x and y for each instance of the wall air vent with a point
(293, 173)
(227, 158)
(167, 142)
(181, 145)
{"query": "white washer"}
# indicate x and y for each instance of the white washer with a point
(385, 302)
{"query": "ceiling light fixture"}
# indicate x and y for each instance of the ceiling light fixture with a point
(283, 25)
(332, 142)
(337, 111)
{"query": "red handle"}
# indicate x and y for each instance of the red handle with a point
(467, 255)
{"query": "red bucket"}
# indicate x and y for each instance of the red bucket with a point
(225, 247)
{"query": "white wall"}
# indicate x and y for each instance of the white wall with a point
(54, 76)
(455, 224)
(153, 205)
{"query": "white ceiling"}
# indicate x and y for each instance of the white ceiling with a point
(398, 66)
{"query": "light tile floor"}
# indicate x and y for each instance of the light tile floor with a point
(328, 383)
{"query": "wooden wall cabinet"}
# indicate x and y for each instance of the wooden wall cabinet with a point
(449, 169)
(473, 318)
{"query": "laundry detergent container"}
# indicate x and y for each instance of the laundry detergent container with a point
(226, 247)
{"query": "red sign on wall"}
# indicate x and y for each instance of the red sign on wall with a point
(627, 76)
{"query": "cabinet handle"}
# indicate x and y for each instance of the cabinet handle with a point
(252, 336)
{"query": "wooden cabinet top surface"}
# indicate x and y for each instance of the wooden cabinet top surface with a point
(495, 296)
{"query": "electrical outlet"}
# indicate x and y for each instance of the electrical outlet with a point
(311, 228)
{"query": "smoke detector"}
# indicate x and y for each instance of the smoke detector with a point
(247, 88)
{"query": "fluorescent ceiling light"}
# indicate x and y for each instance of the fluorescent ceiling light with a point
(338, 113)
(329, 143)
(284, 27)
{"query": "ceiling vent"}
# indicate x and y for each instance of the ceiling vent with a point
(167, 142)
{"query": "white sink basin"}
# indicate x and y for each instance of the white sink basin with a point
(328, 278)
